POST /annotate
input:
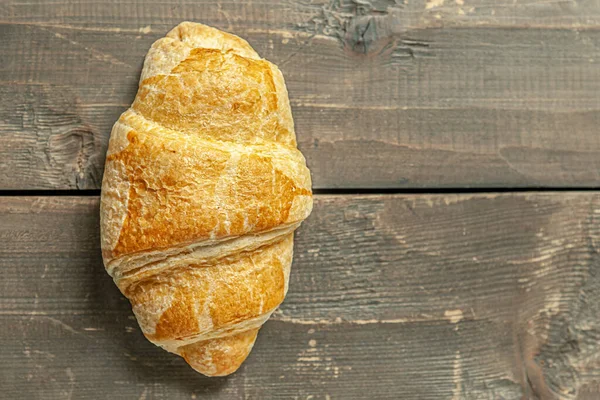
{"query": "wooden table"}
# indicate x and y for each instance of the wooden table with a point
(453, 252)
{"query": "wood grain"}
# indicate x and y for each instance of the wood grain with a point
(426, 94)
(490, 296)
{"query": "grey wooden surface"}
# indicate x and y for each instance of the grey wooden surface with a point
(385, 93)
(489, 296)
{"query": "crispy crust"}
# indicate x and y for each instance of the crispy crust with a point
(203, 188)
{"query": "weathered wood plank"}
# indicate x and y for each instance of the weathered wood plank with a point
(428, 94)
(415, 297)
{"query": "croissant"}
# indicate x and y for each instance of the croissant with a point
(202, 191)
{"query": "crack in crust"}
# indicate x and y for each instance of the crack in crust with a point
(202, 191)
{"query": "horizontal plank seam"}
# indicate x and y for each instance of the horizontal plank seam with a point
(333, 191)
(452, 190)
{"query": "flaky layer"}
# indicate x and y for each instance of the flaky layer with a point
(183, 188)
(196, 300)
(202, 191)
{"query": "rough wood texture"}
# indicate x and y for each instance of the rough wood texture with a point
(411, 297)
(437, 93)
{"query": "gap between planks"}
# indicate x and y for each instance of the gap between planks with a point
(332, 191)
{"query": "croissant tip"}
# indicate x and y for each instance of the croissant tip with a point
(220, 356)
(209, 372)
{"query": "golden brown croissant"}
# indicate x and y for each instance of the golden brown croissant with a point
(203, 189)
